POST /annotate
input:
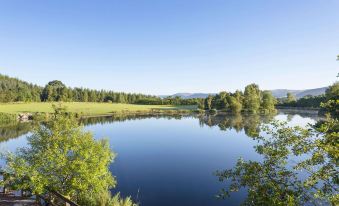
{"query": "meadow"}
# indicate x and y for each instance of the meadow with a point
(85, 108)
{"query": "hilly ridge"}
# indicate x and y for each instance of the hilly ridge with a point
(278, 93)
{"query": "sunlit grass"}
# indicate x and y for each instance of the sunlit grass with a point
(86, 108)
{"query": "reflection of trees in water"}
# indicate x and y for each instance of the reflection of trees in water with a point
(249, 123)
(14, 130)
(127, 117)
(313, 114)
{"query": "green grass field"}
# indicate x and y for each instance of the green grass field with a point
(86, 108)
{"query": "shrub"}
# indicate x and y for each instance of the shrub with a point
(7, 118)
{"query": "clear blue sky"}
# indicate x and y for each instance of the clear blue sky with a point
(168, 46)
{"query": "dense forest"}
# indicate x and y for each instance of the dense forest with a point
(14, 90)
(252, 100)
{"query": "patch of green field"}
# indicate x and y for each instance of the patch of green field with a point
(86, 108)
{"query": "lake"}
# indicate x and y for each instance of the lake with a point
(171, 160)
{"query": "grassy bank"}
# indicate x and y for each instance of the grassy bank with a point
(86, 108)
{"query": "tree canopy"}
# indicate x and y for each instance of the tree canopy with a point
(253, 100)
(62, 157)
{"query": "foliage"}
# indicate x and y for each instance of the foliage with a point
(208, 102)
(54, 91)
(290, 98)
(12, 90)
(7, 118)
(57, 91)
(290, 153)
(306, 101)
(105, 199)
(64, 158)
(253, 100)
(234, 105)
(328, 100)
(332, 100)
(268, 102)
(15, 90)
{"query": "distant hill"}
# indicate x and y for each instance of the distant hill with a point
(278, 93)
(188, 95)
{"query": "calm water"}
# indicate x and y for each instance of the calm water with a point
(171, 161)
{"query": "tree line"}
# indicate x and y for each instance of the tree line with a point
(307, 101)
(252, 100)
(331, 93)
(15, 90)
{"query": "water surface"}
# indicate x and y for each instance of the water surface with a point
(172, 160)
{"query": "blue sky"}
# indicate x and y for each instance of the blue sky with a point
(163, 47)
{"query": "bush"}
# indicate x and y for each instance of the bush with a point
(105, 199)
(7, 118)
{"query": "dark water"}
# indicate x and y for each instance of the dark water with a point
(172, 160)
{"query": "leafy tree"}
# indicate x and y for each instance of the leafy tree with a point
(306, 101)
(290, 98)
(64, 158)
(252, 98)
(332, 92)
(53, 91)
(331, 103)
(276, 180)
(208, 102)
(234, 104)
(268, 102)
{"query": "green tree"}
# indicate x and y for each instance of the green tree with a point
(208, 102)
(63, 157)
(268, 102)
(331, 104)
(332, 92)
(276, 180)
(53, 91)
(290, 98)
(234, 104)
(85, 96)
(252, 98)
